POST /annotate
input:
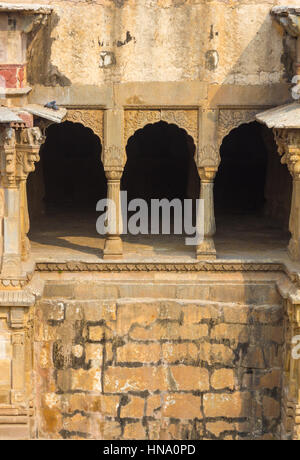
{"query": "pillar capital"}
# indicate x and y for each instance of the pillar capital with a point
(28, 143)
(19, 150)
(113, 174)
(8, 156)
(288, 143)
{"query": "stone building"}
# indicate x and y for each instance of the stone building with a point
(141, 336)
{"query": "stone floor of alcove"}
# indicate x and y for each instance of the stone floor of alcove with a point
(73, 237)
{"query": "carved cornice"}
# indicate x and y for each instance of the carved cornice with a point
(8, 285)
(158, 267)
(230, 119)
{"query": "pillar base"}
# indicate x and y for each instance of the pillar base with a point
(206, 250)
(294, 249)
(113, 249)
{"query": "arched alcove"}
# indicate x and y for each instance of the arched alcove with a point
(160, 165)
(68, 182)
(252, 188)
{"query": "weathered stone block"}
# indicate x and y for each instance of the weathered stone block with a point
(141, 313)
(134, 431)
(227, 405)
(179, 352)
(153, 405)
(64, 291)
(233, 332)
(194, 313)
(237, 314)
(140, 353)
(189, 378)
(217, 428)
(223, 378)
(86, 380)
(271, 407)
(216, 354)
(134, 409)
(99, 333)
(182, 406)
(122, 379)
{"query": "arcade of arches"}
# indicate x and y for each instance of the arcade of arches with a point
(252, 190)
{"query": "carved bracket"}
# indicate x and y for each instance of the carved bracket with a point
(19, 150)
(230, 119)
(90, 118)
(288, 143)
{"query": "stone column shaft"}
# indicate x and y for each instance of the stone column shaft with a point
(206, 249)
(113, 248)
(113, 160)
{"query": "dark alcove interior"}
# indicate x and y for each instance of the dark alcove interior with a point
(160, 164)
(252, 188)
(70, 176)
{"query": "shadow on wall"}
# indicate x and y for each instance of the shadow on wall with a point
(40, 70)
(256, 66)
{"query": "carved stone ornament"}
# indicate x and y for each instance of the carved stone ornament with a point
(158, 267)
(208, 156)
(288, 143)
(113, 156)
(186, 119)
(19, 150)
(90, 118)
(230, 119)
(8, 156)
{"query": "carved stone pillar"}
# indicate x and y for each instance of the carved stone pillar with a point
(113, 248)
(113, 161)
(11, 254)
(206, 249)
(18, 152)
(288, 142)
(28, 143)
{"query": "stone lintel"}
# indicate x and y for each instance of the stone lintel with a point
(25, 8)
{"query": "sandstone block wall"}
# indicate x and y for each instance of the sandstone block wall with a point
(156, 368)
